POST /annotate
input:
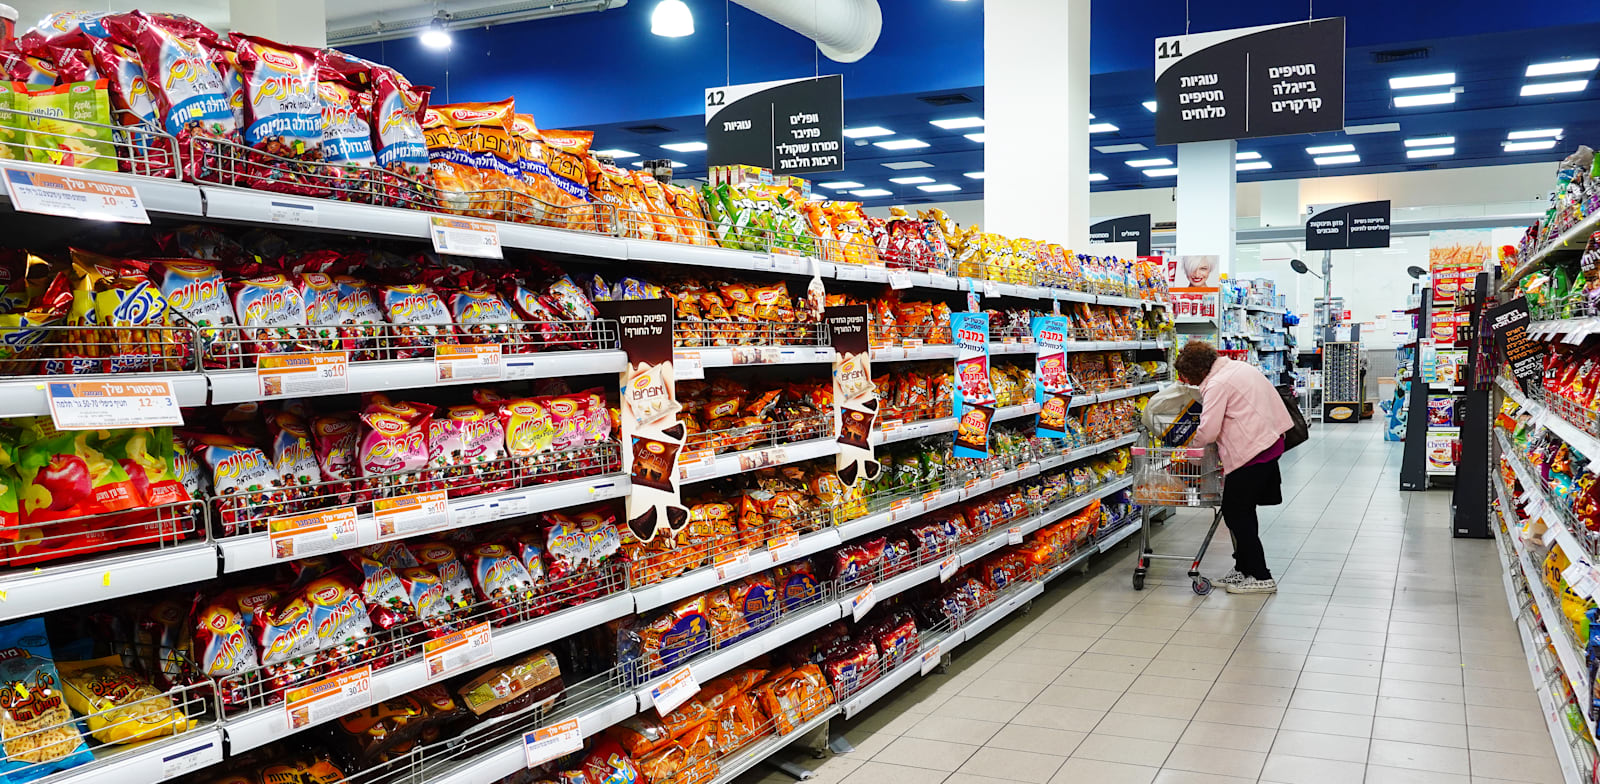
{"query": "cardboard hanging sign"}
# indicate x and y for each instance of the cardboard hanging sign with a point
(1052, 384)
(1509, 324)
(794, 126)
(974, 403)
(652, 436)
(855, 397)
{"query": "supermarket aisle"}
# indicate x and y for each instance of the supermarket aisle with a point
(1388, 656)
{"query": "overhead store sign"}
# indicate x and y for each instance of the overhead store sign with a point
(790, 127)
(1131, 228)
(1250, 82)
(1361, 225)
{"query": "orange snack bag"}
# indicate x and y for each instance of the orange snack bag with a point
(533, 169)
(450, 163)
(565, 157)
(653, 198)
(484, 130)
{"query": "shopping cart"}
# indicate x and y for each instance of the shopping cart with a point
(1175, 476)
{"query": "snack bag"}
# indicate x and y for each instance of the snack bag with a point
(132, 106)
(484, 134)
(273, 314)
(282, 108)
(398, 140)
(346, 130)
(538, 190)
(56, 131)
(422, 317)
(189, 92)
(31, 701)
(121, 705)
(565, 157)
(451, 165)
(68, 474)
(396, 439)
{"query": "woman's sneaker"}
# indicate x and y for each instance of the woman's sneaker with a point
(1252, 585)
(1233, 577)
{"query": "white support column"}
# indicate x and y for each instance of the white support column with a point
(1280, 203)
(1207, 209)
(300, 22)
(1036, 107)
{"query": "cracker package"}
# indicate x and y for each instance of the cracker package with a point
(37, 733)
(119, 705)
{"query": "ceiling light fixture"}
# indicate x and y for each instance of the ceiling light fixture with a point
(1252, 166)
(1149, 106)
(958, 122)
(1563, 67)
(1526, 146)
(1141, 163)
(1425, 80)
(1431, 141)
(974, 175)
(977, 137)
(1553, 133)
(910, 180)
(1102, 127)
(903, 165)
(871, 193)
(1097, 177)
(1172, 172)
(868, 132)
(671, 19)
(617, 155)
(944, 187)
(1431, 152)
(1423, 99)
(436, 36)
(1554, 88)
(1247, 156)
(901, 144)
(1357, 130)
(685, 146)
(1334, 160)
(1330, 149)
(842, 185)
(1112, 148)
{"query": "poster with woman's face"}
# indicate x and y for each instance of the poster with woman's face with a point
(1197, 271)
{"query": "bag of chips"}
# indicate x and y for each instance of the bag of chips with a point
(37, 734)
(282, 114)
(120, 705)
(194, 102)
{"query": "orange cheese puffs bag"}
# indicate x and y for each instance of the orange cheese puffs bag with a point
(816, 217)
(686, 204)
(566, 155)
(615, 187)
(485, 133)
(449, 162)
(667, 226)
(538, 190)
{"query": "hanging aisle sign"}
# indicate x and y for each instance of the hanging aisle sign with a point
(974, 404)
(1052, 385)
(1250, 82)
(652, 436)
(1130, 228)
(855, 397)
(1360, 225)
(791, 127)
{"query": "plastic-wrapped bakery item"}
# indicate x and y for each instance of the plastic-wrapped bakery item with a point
(853, 668)
(513, 686)
(654, 644)
(792, 697)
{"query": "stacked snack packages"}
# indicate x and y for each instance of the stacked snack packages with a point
(711, 312)
(1570, 484)
(1050, 545)
(895, 319)
(1575, 198)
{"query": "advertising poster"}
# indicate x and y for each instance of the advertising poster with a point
(855, 409)
(1052, 385)
(1198, 271)
(652, 436)
(975, 399)
(1455, 257)
(1509, 324)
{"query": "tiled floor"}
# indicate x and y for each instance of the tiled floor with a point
(1387, 656)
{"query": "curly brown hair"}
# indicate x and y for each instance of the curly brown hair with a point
(1194, 362)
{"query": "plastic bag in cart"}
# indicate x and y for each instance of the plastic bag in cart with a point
(1173, 415)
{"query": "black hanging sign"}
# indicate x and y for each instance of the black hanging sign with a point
(855, 397)
(1361, 225)
(1250, 82)
(1131, 228)
(652, 436)
(1509, 324)
(791, 127)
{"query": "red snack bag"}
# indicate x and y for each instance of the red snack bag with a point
(282, 113)
(189, 91)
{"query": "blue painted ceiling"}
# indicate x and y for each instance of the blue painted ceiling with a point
(605, 71)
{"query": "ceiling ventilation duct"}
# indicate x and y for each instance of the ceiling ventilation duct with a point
(845, 30)
(360, 22)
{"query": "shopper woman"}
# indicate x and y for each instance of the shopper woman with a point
(1244, 416)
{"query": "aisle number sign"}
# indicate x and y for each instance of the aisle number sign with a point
(74, 196)
(790, 127)
(99, 405)
(463, 237)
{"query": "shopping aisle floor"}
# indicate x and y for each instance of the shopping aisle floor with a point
(1388, 656)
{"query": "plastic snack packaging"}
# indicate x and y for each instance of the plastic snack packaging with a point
(56, 130)
(189, 91)
(223, 640)
(565, 157)
(37, 733)
(121, 706)
(398, 141)
(282, 114)
(485, 139)
(346, 133)
(510, 687)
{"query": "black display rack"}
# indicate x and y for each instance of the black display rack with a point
(1470, 500)
(1414, 462)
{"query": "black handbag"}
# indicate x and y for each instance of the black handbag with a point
(1299, 432)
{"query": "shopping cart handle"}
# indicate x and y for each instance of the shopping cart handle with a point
(1139, 450)
(1196, 452)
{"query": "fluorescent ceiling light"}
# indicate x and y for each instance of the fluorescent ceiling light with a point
(1526, 146)
(1252, 166)
(1331, 160)
(867, 132)
(1563, 67)
(1330, 149)
(842, 185)
(1114, 148)
(617, 155)
(671, 19)
(1552, 88)
(870, 193)
(977, 137)
(1143, 162)
(1431, 141)
(1431, 152)
(901, 144)
(1424, 99)
(1357, 130)
(817, 197)
(1247, 156)
(1101, 127)
(1149, 106)
(975, 175)
(910, 180)
(1097, 177)
(943, 187)
(958, 122)
(903, 165)
(1553, 133)
(1425, 80)
(685, 146)
(1172, 172)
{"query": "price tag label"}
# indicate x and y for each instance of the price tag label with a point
(675, 690)
(899, 505)
(1550, 534)
(74, 196)
(297, 536)
(688, 366)
(553, 742)
(779, 546)
(1014, 535)
(930, 497)
(1574, 571)
(409, 515)
(103, 405)
(730, 563)
(850, 272)
(1587, 582)
(991, 288)
(328, 698)
(292, 214)
(930, 659)
(948, 567)
(311, 373)
(177, 763)
(512, 506)
(899, 279)
(458, 651)
(462, 237)
(452, 362)
(865, 600)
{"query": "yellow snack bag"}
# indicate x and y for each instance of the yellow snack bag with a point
(121, 706)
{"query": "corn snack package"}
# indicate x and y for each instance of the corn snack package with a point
(119, 704)
(37, 732)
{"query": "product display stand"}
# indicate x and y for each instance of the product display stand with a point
(1414, 463)
(1470, 496)
(1342, 391)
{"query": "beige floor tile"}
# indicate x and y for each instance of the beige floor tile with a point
(1205, 640)
(1172, 776)
(1059, 642)
(1379, 774)
(1077, 697)
(1506, 741)
(1228, 736)
(1138, 634)
(1418, 756)
(1344, 748)
(1130, 725)
(922, 753)
(1096, 679)
(1218, 761)
(1042, 657)
(881, 773)
(1425, 673)
(1182, 669)
(1156, 705)
(1433, 733)
(1059, 717)
(1039, 740)
(1501, 698)
(1132, 648)
(1420, 690)
(979, 708)
(954, 729)
(1344, 684)
(1237, 713)
(1251, 694)
(961, 778)
(1022, 766)
(1327, 723)
(1540, 769)
(1188, 688)
(1115, 748)
(1077, 770)
(1289, 769)
(1338, 666)
(992, 688)
(1422, 710)
(1132, 665)
(1259, 676)
(1310, 699)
